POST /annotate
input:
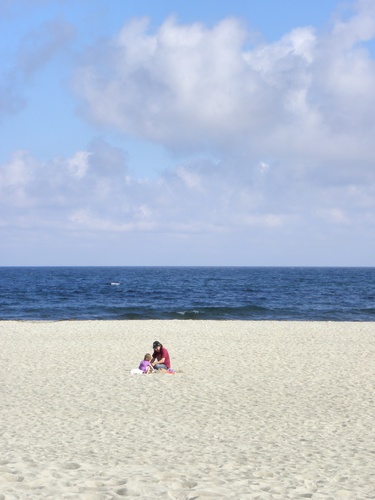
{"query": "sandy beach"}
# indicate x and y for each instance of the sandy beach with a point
(255, 410)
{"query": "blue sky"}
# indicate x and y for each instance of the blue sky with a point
(187, 133)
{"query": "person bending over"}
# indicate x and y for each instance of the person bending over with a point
(160, 358)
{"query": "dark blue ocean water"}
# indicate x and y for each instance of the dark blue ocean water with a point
(250, 293)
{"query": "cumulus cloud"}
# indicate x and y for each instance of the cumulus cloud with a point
(54, 190)
(191, 86)
(85, 193)
(150, 84)
(281, 133)
(282, 118)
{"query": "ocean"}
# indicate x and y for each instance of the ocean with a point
(202, 293)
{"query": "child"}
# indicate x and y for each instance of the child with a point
(145, 365)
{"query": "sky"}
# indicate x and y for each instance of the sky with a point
(146, 133)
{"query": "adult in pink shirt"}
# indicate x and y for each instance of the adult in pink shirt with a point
(160, 358)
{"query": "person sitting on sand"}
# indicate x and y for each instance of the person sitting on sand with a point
(145, 365)
(160, 358)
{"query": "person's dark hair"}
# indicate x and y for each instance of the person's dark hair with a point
(156, 344)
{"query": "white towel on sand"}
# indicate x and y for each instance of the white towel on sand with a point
(136, 371)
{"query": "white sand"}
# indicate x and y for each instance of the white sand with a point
(266, 410)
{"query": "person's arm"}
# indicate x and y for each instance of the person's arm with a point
(156, 361)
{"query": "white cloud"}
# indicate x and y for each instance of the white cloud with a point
(15, 177)
(263, 167)
(190, 178)
(306, 100)
(181, 86)
(78, 165)
(290, 125)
